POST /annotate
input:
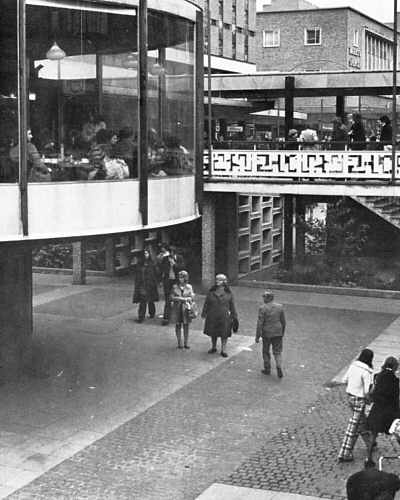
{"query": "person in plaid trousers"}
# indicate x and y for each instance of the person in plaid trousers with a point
(359, 378)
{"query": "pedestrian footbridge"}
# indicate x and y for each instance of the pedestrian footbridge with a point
(311, 172)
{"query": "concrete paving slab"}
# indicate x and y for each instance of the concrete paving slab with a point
(227, 492)
(102, 377)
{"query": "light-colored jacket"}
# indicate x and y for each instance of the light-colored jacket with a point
(359, 378)
(271, 321)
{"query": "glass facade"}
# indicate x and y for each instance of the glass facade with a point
(82, 117)
(9, 116)
(170, 103)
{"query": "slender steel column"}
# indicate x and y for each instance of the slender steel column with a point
(394, 100)
(209, 101)
(199, 111)
(22, 113)
(143, 135)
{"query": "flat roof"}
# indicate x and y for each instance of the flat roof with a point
(269, 85)
(318, 9)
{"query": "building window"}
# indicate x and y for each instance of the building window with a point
(312, 36)
(271, 38)
(356, 38)
(221, 9)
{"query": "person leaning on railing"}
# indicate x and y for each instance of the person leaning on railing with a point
(309, 138)
(357, 139)
(339, 137)
(386, 132)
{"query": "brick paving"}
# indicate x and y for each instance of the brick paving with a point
(302, 458)
(232, 424)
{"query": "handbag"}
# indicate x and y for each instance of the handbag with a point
(192, 311)
(235, 325)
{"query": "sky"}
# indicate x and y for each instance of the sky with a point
(380, 10)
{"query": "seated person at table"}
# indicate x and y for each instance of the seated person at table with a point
(37, 170)
(103, 165)
(90, 129)
(177, 156)
(126, 149)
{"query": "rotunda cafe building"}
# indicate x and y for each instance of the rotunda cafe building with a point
(101, 130)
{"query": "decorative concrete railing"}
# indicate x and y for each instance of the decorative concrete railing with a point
(327, 165)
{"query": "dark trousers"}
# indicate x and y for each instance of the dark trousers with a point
(142, 309)
(167, 286)
(276, 343)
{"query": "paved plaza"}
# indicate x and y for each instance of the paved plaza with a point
(112, 410)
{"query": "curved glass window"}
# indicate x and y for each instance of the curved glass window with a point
(9, 123)
(83, 80)
(170, 95)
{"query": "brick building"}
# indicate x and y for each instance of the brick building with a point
(295, 35)
(311, 39)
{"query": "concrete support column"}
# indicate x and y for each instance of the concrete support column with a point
(288, 231)
(232, 244)
(208, 241)
(79, 262)
(109, 256)
(15, 309)
(340, 99)
(289, 104)
(300, 239)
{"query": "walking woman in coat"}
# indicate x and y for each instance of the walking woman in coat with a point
(146, 291)
(182, 299)
(385, 398)
(220, 314)
(359, 380)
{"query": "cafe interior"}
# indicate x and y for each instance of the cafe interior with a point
(72, 76)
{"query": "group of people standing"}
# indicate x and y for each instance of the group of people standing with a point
(352, 135)
(364, 388)
(219, 310)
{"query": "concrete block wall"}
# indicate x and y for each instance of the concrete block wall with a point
(259, 232)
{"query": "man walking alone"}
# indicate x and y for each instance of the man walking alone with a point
(271, 326)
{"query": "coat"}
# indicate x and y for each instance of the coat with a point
(271, 321)
(146, 286)
(219, 311)
(386, 134)
(178, 310)
(357, 136)
(385, 399)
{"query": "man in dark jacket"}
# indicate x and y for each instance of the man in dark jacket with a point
(271, 326)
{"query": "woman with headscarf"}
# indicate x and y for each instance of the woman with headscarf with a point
(182, 299)
(220, 314)
(385, 399)
(146, 291)
(359, 379)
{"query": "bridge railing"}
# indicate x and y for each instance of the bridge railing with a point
(295, 165)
